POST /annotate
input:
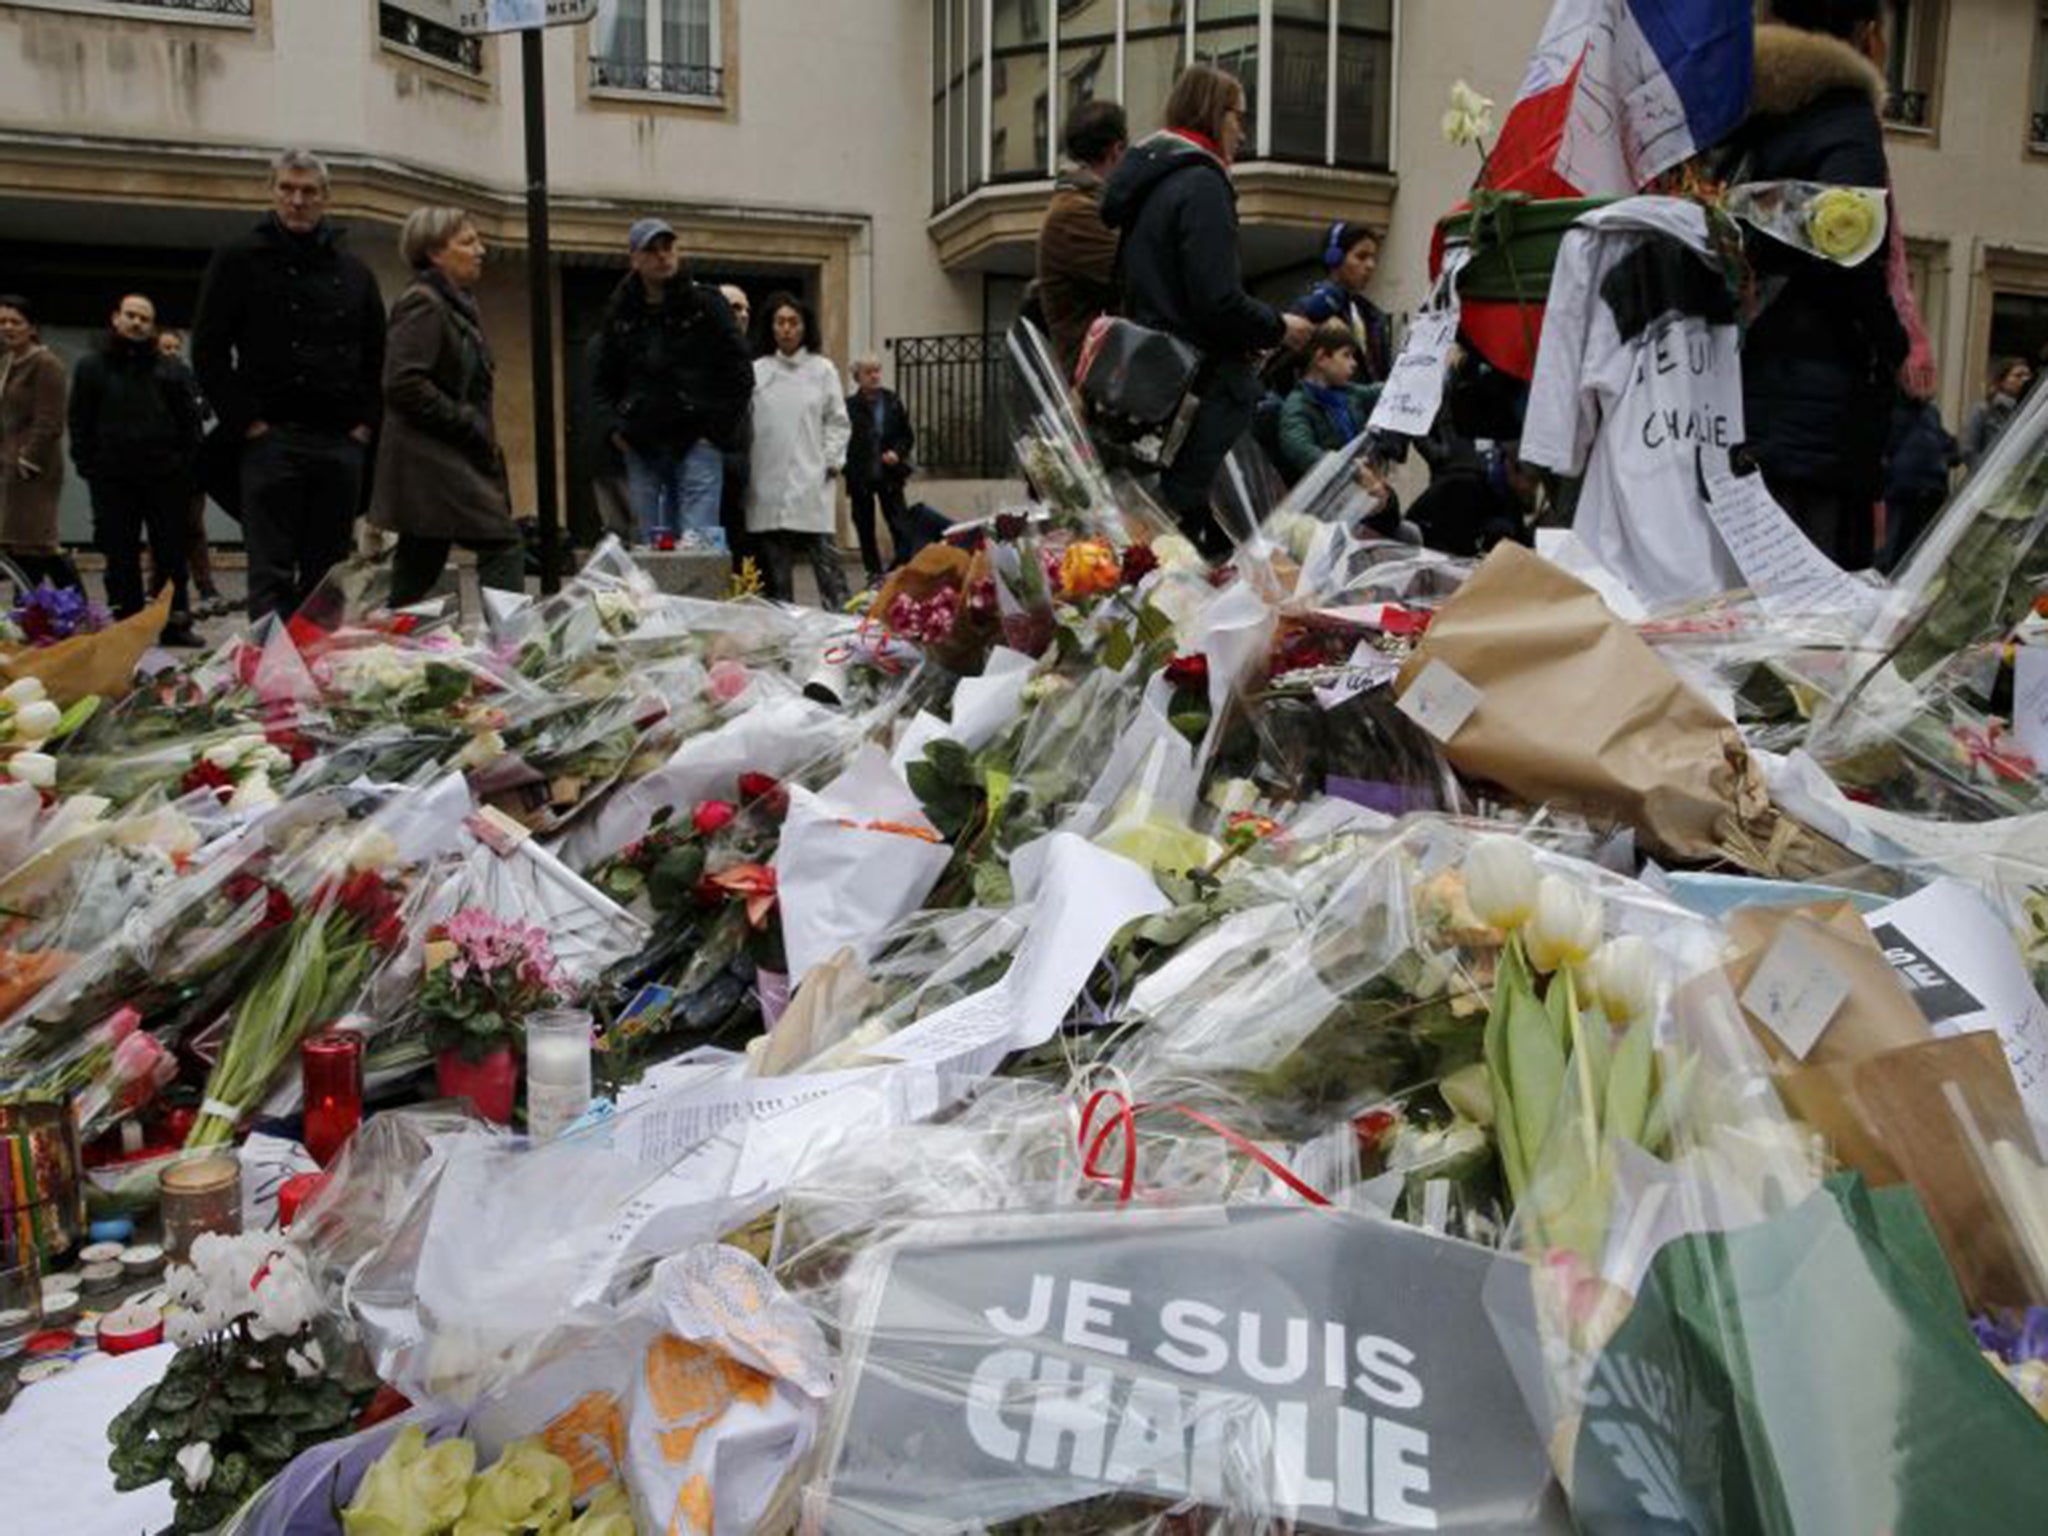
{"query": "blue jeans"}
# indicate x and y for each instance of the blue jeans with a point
(672, 492)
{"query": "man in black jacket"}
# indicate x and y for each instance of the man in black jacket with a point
(289, 348)
(134, 434)
(1172, 198)
(673, 380)
(878, 464)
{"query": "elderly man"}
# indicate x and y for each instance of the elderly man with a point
(732, 499)
(878, 465)
(673, 380)
(289, 348)
(134, 436)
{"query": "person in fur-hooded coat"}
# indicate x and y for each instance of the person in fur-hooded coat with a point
(1821, 358)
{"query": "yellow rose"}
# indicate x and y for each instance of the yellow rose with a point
(529, 1489)
(1090, 567)
(438, 1483)
(383, 1505)
(1845, 223)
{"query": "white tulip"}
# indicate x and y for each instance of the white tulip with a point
(34, 721)
(195, 1465)
(252, 794)
(1565, 929)
(1500, 881)
(1624, 974)
(27, 690)
(38, 770)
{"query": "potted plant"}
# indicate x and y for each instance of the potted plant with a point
(483, 976)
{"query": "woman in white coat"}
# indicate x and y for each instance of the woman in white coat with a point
(801, 431)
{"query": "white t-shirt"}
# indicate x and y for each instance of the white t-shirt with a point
(1638, 387)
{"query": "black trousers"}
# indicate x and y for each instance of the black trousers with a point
(301, 488)
(56, 569)
(417, 564)
(1843, 523)
(779, 552)
(123, 512)
(895, 515)
(1229, 398)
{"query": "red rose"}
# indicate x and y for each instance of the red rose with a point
(205, 775)
(709, 893)
(277, 908)
(389, 933)
(1191, 672)
(1139, 562)
(712, 817)
(1373, 1128)
(1011, 526)
(765, 791)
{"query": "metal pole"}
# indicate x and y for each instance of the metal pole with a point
(540, 289)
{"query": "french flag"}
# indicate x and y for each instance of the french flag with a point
(1619, 92)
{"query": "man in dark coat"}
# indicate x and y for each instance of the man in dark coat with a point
(1076, 250)
(1821, 358)
(289, 348)
(134, 435)
(1173, 200)
(674, 380)
(878, 465)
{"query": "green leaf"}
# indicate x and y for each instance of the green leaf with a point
(1673, 1094)
(176, 1393)
(1628, 1088)
(76, 716)
(1153, 625)
(230, 1475)
(269, 1439)
(674, 878)
(1536, 1068)
(951, 761)
(992, 886)
(1117, 648)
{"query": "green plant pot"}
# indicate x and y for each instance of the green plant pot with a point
(1514, 243)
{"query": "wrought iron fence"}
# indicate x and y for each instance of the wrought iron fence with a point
(444, 45)
(953, 388)
(660, 79)
(1907, 109)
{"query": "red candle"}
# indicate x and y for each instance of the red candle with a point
(294, 1193)
(332, 1068)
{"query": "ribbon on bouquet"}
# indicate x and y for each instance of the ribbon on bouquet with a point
(1989, 749)
(1120, 1113)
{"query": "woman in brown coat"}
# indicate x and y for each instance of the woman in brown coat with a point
(33, 386)
(440, 476)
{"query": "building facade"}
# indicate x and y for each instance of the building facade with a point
(886, 159)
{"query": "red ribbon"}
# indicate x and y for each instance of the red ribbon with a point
(1987, 748)
(1124, 1117)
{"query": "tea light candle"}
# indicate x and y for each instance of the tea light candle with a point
(130, 1329)
(101, 1278)
(59, 1308)
(143, 1259)
(101, 1253)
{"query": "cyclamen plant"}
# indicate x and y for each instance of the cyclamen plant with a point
(484, 975)
(259, 1376)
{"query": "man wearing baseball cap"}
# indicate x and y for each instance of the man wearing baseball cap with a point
(673, 381)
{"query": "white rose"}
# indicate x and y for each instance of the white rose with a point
(38, 770)
(34, 722)
(27, 690)
(253, 794)
(195, 1465)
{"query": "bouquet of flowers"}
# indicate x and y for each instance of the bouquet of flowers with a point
(44, 615)
(484, 975)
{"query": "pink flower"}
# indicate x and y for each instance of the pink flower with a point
(727, 680)
(136, 1057)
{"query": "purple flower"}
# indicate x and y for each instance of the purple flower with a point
(2012, 1336)
(47, 614)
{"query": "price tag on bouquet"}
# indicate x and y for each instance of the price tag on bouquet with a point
(1414, 391)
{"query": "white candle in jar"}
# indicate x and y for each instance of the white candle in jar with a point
(557, 1071)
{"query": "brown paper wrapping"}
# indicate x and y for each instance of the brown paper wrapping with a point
(102, 663)
(1578, 712)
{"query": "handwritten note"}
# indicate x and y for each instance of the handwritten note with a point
(1796, 992)
(1440, 701)
(1787, 570)
(1368, 668)
(1414, 390)
(2030, 701)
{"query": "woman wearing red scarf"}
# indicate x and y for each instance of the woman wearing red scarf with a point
(1172, 199)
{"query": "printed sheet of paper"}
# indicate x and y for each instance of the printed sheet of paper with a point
(1958, 959)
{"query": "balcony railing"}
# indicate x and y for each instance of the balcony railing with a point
(430, 39)
(953, 388)
(1907, 109)
(647, 77)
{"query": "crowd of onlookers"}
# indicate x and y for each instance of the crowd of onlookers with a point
(726, 431)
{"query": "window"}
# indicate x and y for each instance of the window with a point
(1912, 34)
(217, 13)
(1227, 36)
(1020, 92)
(2037, 123)
(408, 32)
(658, 48)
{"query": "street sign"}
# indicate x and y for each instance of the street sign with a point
(520, 15)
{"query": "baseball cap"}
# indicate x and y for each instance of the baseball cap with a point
(644, 231)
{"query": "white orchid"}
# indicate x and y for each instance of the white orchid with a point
(1470, 119)
(1500, 881)
(38, 770)
(26, 690)
(195, 1465)
(1565, 927)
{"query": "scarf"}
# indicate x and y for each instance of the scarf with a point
(1201, 141)
(463, 300)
